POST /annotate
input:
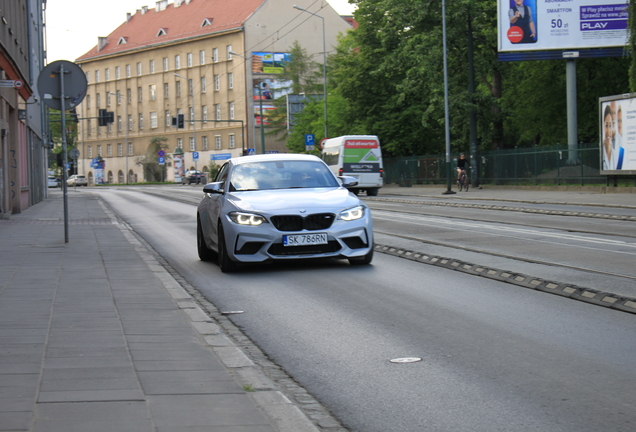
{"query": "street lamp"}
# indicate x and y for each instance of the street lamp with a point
(194, 127)
(324, 62)
(126, 127)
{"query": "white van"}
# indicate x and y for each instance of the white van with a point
(357, 156)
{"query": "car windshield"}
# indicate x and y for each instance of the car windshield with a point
(281, 174)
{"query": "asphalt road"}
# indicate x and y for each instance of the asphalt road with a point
(493, 356)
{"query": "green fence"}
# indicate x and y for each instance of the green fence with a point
(526, 166)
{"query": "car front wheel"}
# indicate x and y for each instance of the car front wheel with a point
(225, 262)
(363, 260)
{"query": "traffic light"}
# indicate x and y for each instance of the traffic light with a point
(105, 117)
(74, 118)
(180, 121)
(174, 121)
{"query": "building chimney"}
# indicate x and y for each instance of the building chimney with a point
(101, 43)
(128, 16)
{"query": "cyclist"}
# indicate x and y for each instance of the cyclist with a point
(462, 164)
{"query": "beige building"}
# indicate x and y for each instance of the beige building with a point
(214, 61)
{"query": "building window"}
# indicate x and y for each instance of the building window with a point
(120, 150)
(107, 74)
(177, 61)
(127, 71)
(189, 59)
(109, 150)
(166, 90)
(130, 149)
(117, 72)
(230, 80)
(192, 115)
(128, 95)
(217, 82)
(130, 122)
(203, 85)
(118, 97)
(204, 143)
(90, 152)
(152, 66)
(88, 101)
(217, 140)
(90, 127)
(99, 150)
(201, 57)
(140, 125)
(232, 141)
(231, 110)
(218, 111)
(152, 89)
(178, 88)
(139, 69)
(204, 110)
(99, 100)
(153, 119)
(88, 78)
(119, 123)
(96, 76)
(180, 143)
(165, 64)
(229, 52)
(168, 118)
(193, 144)
(108, 99)
(109, 127)
(215, 55)
(139, 94)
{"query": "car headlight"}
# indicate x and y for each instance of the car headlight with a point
(352, 213)
(247, 218)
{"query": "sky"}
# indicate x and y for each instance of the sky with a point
(73, 26)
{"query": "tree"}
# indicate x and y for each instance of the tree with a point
(153, 172)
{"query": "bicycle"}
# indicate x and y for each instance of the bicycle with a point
(463, 181)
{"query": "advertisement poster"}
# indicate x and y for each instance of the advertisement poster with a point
(532, 25)
(265, 90)
(179, 167)
(361, 155)
(269, 63)
(618, 135)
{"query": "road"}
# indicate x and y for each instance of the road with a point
(494, 356)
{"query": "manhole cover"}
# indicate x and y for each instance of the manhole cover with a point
(406, 360)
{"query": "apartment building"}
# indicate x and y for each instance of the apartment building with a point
(211, 61)
(23, 152)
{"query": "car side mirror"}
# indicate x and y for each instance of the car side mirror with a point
(215, 187)
(348, 181)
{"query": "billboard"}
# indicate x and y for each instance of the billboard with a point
(535, 25)
(269, 62)
(618, 134)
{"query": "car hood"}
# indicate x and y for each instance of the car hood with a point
(291, 201)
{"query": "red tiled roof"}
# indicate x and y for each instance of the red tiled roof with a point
(180, 22)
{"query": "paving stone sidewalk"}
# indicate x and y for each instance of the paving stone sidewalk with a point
(96, 336)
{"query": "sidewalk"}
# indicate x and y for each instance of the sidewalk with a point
(96, 336)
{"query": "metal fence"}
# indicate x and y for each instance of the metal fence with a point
(524, 166)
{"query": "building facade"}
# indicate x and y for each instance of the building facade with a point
(23, 151)
(195, 58)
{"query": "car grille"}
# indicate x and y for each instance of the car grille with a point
(279, 249)
(312, 222)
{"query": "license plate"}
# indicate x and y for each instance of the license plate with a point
(305, 239)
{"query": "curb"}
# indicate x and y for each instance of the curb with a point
(587, 295)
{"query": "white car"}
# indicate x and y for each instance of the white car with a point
(77, 180)
(53, 182)
(281, 207)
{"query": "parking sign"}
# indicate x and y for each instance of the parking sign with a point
(195, 155)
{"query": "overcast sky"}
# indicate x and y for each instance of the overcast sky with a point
(73, 26)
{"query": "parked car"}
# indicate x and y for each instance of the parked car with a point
(77, 180)
(193, 176)
(281, 207)
(54, 182)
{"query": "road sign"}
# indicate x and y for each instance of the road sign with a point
(162, 160)
(251, 151)
(195, 155)
(309, 142)
(49, 85)
(74, 153)
(161, 153)
(11, 83)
